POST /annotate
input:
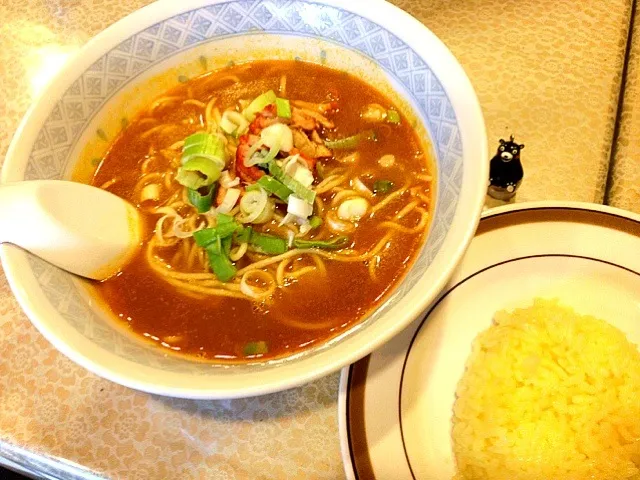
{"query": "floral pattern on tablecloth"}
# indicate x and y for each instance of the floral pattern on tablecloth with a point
(562, 108)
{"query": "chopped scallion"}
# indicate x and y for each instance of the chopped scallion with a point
(393, 116)
(209, 236)
(296, 187)
(233, 123)
(283, 108)
(205, 145)
(198, 172)
(352, 141)
(315, 221)
(258, 104)
(268, 244)
(382, 186)
(201, 199)
(244, 235)
(274, 187)
(255, 348)
(220, 263)
(332, 244)
(224, 218)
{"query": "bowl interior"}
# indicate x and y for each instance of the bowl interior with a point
(86, 107)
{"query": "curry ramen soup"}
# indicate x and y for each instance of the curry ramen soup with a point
(283, 201)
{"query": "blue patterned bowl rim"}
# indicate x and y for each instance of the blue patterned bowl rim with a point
(408, 52)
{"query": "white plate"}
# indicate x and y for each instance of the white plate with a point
(396, 404)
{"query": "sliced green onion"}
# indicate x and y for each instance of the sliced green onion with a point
(274, 187)
(273, 151)
(352, 141)
(253, 187)
(298, 207)
(220, 263)
(255, 348)
(196, 139)
(382, 186)
(229, 200)
(198, 172)
(233, 123)
(277, 134)
(205, 145)
(256, 157)
(208, 236)
(332, 244)
(258, 104)
(283, 107)
(201, 199)
(244, 235)
(249, 160)
(226, 245)
(315, 221)
(224, 218)
(296, 187)
(393, 116)
(256, 207)
(268, 244)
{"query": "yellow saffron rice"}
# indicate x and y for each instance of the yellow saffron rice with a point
(549, 395)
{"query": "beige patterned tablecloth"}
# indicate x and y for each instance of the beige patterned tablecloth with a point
(624, 179)
(547, 71)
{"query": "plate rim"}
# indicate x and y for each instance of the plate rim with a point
(345, 384)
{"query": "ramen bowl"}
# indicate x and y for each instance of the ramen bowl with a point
(166, 43)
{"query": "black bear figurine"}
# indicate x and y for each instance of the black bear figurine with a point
(505, 170)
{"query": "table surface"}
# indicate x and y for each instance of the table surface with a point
(547, 71)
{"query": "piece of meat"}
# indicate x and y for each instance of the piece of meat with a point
(302, 120)
(320, 107)
(307, 116)
(315, 136)
(307, 147)
(222, 192)
(246, 174)
(311, 162)
(268, 116)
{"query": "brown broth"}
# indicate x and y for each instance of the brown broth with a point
(218, 328)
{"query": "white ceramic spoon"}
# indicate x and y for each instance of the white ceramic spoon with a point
(82, 229)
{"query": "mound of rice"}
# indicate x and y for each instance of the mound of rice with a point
(549, 395)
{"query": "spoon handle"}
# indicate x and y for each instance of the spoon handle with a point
(19, 213)
(80, 228)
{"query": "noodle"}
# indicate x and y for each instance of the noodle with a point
(319, 205)
(391, 197)
(146, 121)
(406, 210)
(156, 129)
(304, 270)
(146, 179)
(162, 101)
(318, 117)
(343, 195)
(206, 290)
(280, 271)
(424, 219)
(320, 264)
(329, 183)
(177, 145)
(305, 326)
(109, 183)
(196, 103)
(226, 78)
(208, 117)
